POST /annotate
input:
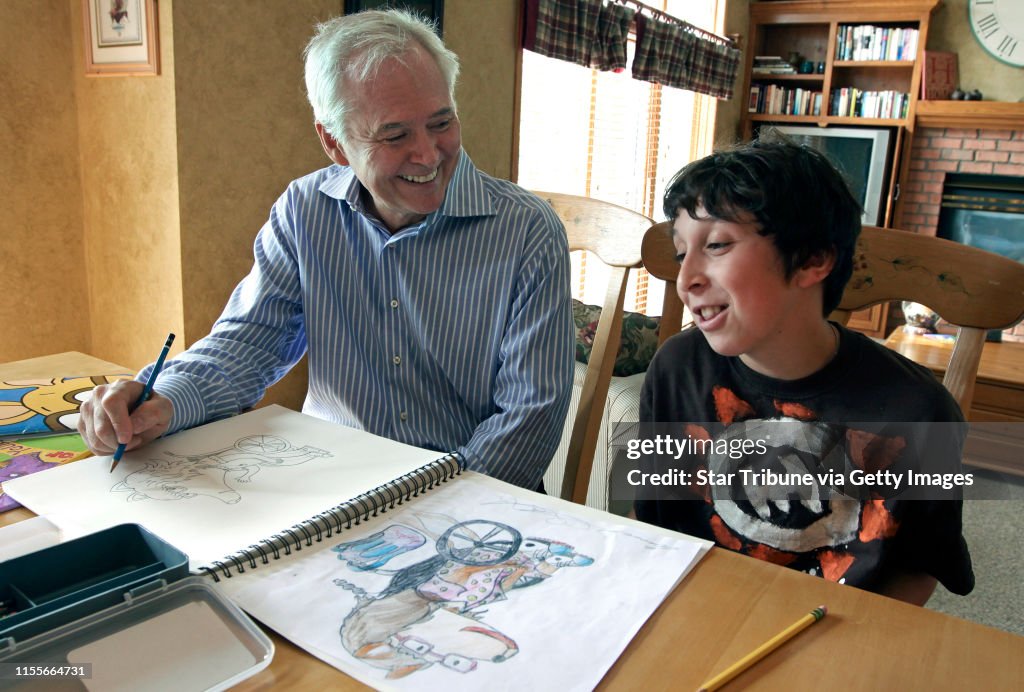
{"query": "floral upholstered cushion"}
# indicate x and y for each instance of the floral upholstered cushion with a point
(638, 344)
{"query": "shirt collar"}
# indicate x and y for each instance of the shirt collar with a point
(467, 193)
(341, 183)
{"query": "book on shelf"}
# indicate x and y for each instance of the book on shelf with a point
(390, 562)
(771, 65)
(754, 100)
(864, 42)
(774, 99)
(855, 103)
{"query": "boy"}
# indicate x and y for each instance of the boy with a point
(765, 235)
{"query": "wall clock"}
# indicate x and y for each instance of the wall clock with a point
(999, 27)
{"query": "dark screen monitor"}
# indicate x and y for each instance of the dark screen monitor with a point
(860, 154)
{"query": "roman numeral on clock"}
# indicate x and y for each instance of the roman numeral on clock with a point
(988, 25)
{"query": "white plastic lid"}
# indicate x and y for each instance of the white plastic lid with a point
(178, 637)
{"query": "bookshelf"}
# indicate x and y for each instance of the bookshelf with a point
(884, 71)
(869, 46)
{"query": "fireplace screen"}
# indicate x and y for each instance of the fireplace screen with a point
(984, 211)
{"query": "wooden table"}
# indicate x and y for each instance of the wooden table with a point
(729, 605)
(996, 440)
(68, 364)
(999, 389)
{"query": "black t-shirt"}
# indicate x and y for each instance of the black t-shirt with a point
(863, 411)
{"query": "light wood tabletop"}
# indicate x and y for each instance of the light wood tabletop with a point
(729, 605)
(67, 364)
(1000, 362)
(996, 438)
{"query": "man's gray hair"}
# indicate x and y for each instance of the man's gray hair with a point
(352, 48)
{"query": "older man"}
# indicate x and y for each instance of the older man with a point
(432, 299)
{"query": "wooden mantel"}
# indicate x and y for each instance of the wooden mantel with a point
(989, 115)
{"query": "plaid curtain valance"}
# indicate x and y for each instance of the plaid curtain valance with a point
(593, 33)
(584, 32)
(673, 55)
(613, 34)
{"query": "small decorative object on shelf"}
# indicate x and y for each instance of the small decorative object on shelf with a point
(920, 319)
(940, 73)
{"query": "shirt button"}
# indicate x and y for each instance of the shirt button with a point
(394, 302)
(397, 360)
(403, 415)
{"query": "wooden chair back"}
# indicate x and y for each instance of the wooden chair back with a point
(613, 234)
(659, 259)
(973, 289)
(970, 288)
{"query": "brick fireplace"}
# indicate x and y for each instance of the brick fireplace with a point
(938, 151)
(956, 145)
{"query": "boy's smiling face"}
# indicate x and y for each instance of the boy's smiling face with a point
(732, 279)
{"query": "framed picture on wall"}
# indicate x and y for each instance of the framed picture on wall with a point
(120, 37)
(431, 9)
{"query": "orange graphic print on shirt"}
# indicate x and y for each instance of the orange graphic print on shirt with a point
(809, 528)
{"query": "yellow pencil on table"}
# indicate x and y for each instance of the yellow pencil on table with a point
(765, 649)
(147, 390)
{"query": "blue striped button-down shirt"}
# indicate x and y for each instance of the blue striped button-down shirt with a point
(453, 334)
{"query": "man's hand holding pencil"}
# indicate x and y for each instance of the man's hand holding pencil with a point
(125, 415)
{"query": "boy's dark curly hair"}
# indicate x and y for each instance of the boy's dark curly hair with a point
(795, 195)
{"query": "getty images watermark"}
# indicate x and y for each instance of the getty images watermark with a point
(786, 459)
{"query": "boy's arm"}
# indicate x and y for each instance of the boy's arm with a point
(930, 545)
(910, 587)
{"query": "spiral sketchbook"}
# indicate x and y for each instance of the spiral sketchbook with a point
(389, 562)
(220, 488)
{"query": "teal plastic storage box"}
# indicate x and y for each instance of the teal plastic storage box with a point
(64, 582)
(117, 610)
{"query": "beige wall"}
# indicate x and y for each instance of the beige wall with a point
(44, 299)
(951, 30)
(244, 130)
(87, 168)
(129, 203)
(483, 34)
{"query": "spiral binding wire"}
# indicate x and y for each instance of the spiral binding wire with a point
(337, 519)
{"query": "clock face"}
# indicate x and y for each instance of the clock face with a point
(999, 27)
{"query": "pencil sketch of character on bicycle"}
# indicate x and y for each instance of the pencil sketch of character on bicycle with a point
(430, 612)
